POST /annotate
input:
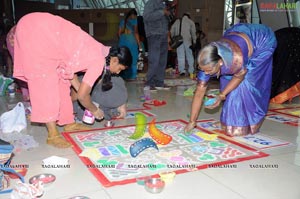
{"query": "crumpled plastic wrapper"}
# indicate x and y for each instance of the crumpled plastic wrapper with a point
(20, 141)
(27, 191)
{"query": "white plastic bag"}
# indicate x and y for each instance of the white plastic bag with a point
(13, 120)
(27, 191)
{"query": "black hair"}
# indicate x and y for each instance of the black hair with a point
(186, 14)
(2, 30)
(130, 12)
(125, 58)
(209, 55)
(123, 54)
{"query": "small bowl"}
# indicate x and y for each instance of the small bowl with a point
(167, 177)
(79, 197)
(154, 185)
(141, 180)
(46, 178)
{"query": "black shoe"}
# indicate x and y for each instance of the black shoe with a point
(182, 74)
(164, 87)
(151, 88)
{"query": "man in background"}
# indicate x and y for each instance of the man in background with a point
(156, 27)
(185, 50)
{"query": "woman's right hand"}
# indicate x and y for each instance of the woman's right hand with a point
(98, 114)
(189, 127)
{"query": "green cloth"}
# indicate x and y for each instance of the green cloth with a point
(190, 91)
(4, 83)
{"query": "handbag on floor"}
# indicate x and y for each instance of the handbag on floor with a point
(177, 40)
(6, 150)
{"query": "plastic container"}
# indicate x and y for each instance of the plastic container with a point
(88, 117)
(154, 185)
(147, 93)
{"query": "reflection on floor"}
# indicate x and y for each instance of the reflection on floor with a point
(276, 176)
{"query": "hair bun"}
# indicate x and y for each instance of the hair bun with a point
(113, 50)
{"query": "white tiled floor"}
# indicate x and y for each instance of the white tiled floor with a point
(242, 182)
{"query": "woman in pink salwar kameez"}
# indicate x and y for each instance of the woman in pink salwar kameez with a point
(48, 51)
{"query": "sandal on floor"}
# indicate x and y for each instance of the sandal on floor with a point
(76, 127)
(58, 142)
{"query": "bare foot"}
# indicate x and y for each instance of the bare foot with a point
(217, 124)
(58, 141)
(76, 127)
(122, 111)
(109, 123)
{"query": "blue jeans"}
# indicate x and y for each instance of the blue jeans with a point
(157, 59)
(184, 52)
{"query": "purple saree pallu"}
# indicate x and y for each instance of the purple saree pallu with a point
(246, 106)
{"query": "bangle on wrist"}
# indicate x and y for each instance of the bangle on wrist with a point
(194, 123)
(222, 96)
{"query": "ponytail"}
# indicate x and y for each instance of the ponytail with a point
(106, 80)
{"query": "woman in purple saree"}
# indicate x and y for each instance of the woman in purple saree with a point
(243, 60)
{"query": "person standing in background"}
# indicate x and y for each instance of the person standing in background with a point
(129, 37)
(200, 35)
(156, 27)
(185, 51)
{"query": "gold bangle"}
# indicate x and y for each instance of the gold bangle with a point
(193, 123)
(222, 96)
